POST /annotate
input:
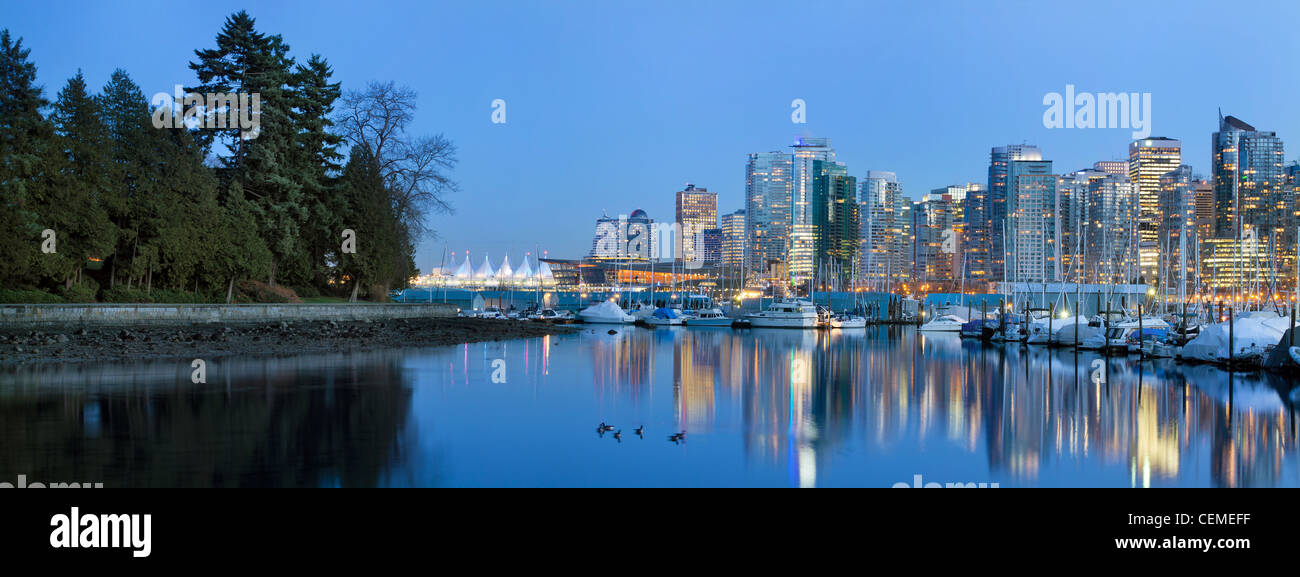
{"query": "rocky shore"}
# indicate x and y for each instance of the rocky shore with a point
(105, 343)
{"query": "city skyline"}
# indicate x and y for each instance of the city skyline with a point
(947, 97)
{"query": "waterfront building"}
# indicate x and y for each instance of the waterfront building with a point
(881, 202)
(1246, 266)
(989, 232)
(733, 238)
(1110, 252)
(934, 252)
(802, 246)
(1149, 160)
(1251, 196)
(836, 224)
(1072, 194)
(1032, 242)
(768, 189)
(697, 211)
(1177, 232)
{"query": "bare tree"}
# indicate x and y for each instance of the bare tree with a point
(414, 168)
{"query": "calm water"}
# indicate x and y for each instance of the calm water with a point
(760, 407)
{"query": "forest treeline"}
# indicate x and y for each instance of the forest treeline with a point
(329, 194)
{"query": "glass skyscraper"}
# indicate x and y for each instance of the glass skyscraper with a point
(802, 228)
(835, 218)
(768, 188)
(1031, 212)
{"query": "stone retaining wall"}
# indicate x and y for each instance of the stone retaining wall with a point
(162, 314)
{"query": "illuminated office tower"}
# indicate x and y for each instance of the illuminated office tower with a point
(1251, 198)
(1148, 160)
(1110, 254)
(880, 198)
(1031, 215)
(767, 211)
(733, 238)
(802, 244)
(835, 219)
(697, 211)
(990, 232)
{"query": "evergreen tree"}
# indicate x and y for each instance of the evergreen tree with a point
(128, 131)
(262, 162)
(77, 182)
(25, 137)
(370, 214)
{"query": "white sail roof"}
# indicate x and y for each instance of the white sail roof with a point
(544, 272)
(525, 271)
(463, 271)
(505, 272)
(485, 271)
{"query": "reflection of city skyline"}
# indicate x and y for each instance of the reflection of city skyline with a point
(802, 395)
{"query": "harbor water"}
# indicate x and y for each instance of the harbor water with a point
(875, 407)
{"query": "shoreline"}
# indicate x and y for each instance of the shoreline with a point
(73, 344)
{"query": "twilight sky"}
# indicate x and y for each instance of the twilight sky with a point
(616, 105)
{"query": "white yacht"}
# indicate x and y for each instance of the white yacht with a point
(848, 322)
(492, 313)
(944, 323)
(606, 312)
(785, 313)
(713, 317)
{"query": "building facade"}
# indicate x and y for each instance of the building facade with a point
(768, 188)
(697, 211)
(1149, 159)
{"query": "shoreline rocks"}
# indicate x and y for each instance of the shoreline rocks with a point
(20, 345)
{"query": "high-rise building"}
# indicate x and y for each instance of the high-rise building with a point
(993, 224)
(1203, 200)
(1110, 247)
(1072, 203)
(802, 233)
(1148, 160)
(768, 187)
(711, 251)
(835, 219)
(976, 236)
(697, 211)
(935, 240)
(1177, 233)
(881, 258)
(631, 236)
(1251, 199)
(733, 238)
(1031, 212)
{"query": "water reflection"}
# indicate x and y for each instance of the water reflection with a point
(761, 407)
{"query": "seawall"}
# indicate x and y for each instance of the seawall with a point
(197, 314)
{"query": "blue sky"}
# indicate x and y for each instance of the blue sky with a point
(616, 105)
